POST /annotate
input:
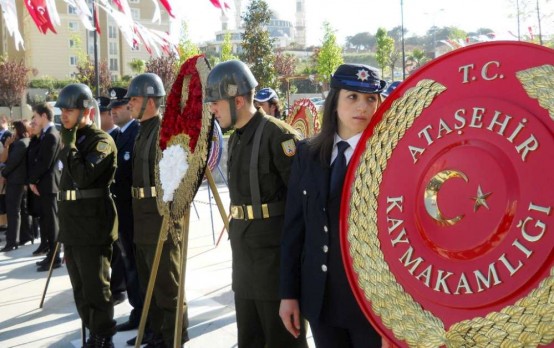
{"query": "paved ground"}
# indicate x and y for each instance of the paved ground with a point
(57, 324)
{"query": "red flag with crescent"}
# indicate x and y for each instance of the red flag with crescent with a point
(39, 13)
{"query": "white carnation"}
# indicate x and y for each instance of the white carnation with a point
(173, 167)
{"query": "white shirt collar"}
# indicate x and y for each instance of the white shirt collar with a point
(124, 128)
(352, 141)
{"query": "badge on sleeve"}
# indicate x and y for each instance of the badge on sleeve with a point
(103, 147)
(127, 156)
(289, 147)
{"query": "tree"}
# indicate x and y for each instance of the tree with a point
(257, 45)
(285, 63)
(137, 65)
(416, 59)
(13, 81)
(361, 41)
(86, 74)
(385, 49)
(227, 48)
(329, 57)
(186, 47)
(165, 67)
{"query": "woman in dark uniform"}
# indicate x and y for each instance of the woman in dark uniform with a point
(313, 280)
(15, 173)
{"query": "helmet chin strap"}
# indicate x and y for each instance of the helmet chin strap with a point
(142, 108)
(233, 109)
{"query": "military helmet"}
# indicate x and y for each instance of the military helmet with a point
(228, 80)
(146, 85)
(75, 96)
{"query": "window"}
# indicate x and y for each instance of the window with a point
(112, 32)
(113, 64)
(134, 1)
(113, 48)
(71, 9)
(135, 47)
(73, 26)
(72, 43)
(135, 13)
(72, 60)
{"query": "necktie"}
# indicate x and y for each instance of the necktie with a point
(338, 169)
(41, 134)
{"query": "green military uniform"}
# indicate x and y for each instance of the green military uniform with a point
(148, 222)
(255, 242)
(88, 224)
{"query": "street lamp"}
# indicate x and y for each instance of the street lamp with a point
(402, 39)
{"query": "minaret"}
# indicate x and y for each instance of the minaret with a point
(238, 12)
(300, 36)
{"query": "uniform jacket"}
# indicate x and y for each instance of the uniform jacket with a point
(44, 170)
(256, 243)
(146, 217)
(125, 142)
(15, 170)
(311, 258)
(90, 164)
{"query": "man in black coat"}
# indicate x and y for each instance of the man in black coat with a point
(44, 180)
(121, 190)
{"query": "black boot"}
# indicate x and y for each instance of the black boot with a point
(103, 342)
(91, 341)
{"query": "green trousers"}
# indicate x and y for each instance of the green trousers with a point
(163, 307)
(89, 272)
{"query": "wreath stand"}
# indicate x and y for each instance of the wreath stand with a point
(156, 264)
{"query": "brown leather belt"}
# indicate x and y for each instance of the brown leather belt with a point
(74, 195)
(246, 212)
(143, 192)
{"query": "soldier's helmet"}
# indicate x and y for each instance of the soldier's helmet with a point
(228, 80)
(75, 96)
(146, 85)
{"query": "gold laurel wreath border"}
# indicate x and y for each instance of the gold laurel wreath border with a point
(527, 323)
(184, 194)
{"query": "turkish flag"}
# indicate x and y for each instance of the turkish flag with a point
(39, 12)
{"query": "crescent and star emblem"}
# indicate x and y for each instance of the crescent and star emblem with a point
(432, 191)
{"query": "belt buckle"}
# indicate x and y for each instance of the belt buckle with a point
(69, 195)
(141, 192)
(237, 212)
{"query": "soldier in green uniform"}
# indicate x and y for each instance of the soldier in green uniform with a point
(260, 155)
(145, 95)
(88, 219)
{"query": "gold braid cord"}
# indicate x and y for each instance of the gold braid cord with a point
(184, 194)
(539, 84)
(527, 323)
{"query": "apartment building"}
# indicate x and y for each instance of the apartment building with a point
(56, 54)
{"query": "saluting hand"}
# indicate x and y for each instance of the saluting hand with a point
(69, 136)
(289, 311)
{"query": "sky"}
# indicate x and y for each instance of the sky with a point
(349, 17)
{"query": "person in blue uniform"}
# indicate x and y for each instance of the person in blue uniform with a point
(313, 280)
(121, 190)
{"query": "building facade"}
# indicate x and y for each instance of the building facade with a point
(56, 54)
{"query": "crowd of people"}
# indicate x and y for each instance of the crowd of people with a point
(92, 189)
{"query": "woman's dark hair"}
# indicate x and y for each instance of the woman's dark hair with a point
(275, 102)
(20, 129)
(323, 142)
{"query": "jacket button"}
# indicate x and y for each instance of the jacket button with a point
(324, 268)
(304, 192)
(325, 248)
(325, 229)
